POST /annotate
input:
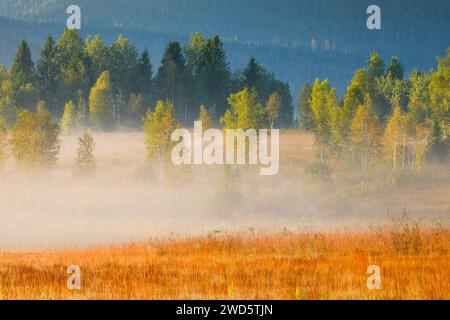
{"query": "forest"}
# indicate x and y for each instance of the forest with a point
(298, 39)
(384, 114)
(77, 84)
(71, 70)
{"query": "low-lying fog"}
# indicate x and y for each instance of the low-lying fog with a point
(123, 202)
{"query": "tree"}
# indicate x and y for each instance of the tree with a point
(81, 111)
(245, 112)
(48, 75)
(375, 65)
(158, 128)
(193, 52)
(213, 75)
(439, 93)
(75, 66)
(418, 103)
(85, 163)
(395, 70)
(354, 96)
(365, 134)
(101, 103)
(34, 139)
(48, 133)
(306, 118)
(437, 150)
(98, 53)
(8, 107)
(395, 136)
(123, 66)
(3, 142)
(22, 69)
(145, 77)
(273, 108)
(286, 117)
(336, 122)
(257, 77)
(68, 120)
(204, 117)
(135, 110)
(321, 116)
(171, 79)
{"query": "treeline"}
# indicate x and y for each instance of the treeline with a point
(103, 85)
(383, 116)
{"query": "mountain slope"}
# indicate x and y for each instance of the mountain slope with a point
(297, 39)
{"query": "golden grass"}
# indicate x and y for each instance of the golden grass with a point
(285, 266)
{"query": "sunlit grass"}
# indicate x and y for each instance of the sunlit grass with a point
(302, 266)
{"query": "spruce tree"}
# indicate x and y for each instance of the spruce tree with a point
(395, 70)
(436, 147)
(22, 69)
(171, 79)
(375, 65)
(145, 77)
(306, 118)
(48, 75)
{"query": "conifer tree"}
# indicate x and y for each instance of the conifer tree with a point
(22, 69)
(375, 65)
(395, 70)
(48, 75)
(437, 150)
(171, 79)
(306, 118)
(145, 76)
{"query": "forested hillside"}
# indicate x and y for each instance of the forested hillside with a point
(297, 39)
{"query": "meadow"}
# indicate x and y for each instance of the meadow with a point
(210, 234)
(302, 266)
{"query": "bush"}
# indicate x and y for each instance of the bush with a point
(34, 139)
(85, 163)
(405, 235)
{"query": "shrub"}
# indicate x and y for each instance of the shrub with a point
(85, 163)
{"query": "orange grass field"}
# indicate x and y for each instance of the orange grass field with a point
(414, 265)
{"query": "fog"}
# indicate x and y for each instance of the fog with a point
(125, 202)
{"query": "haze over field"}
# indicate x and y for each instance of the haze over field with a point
(123, 201)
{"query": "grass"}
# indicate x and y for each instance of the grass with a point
(284, 266)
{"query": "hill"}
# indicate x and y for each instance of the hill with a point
(297, 39)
